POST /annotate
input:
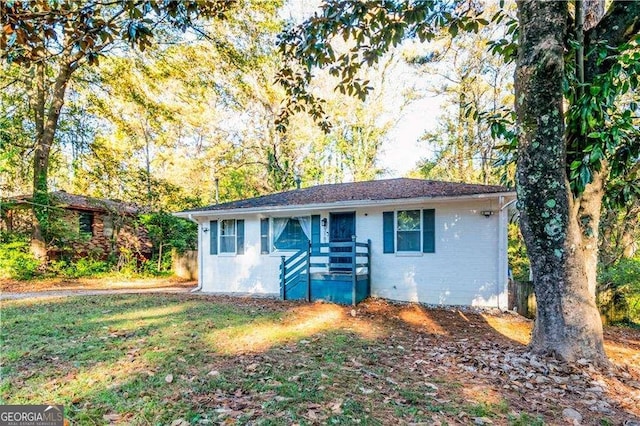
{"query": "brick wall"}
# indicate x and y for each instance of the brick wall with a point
(124, 235)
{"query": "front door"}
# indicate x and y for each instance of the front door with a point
(342, 228)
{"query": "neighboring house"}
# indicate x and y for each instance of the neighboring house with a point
(87, 226)
(415, 240)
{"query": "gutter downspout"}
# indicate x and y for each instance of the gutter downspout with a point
(503, 261)
(200, 257)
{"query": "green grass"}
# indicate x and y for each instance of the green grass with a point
(108, 358)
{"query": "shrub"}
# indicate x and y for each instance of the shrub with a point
(17, 261)
(621, 283)
(84, 267)
(167, 233)
(517, 254)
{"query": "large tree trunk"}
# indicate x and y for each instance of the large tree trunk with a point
(40, 165)
(563, 257)
(46, 126)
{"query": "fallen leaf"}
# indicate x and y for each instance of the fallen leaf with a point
(111, 418)
(336, 407)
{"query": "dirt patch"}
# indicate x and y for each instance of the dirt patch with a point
(446, 366)
(106, 283)
(487, 352)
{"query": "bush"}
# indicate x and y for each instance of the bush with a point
(167, 233)
(621, 282)
(150, 267)
(17, 261)
(84, 267)
(517, 254)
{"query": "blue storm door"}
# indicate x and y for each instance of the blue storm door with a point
(342, 228)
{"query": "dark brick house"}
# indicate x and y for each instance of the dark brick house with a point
(87, 226)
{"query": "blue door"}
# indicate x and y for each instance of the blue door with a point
(342, 228)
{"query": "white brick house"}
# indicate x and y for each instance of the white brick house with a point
(430, 242)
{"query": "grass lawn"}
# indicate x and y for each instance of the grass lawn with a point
(188, 359)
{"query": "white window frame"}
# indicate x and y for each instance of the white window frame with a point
(397, 229)
(235, 237)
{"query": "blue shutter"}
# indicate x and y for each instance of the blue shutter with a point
(429, 231)
(315, 233)
(388, 232)
(213, 235)
(240, 236)
(264, 236)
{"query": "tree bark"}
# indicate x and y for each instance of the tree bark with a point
(40, 160)
(45, 135)
(562, 260)
(617, 26)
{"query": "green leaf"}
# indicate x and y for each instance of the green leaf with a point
(453, 29)
(585, 176)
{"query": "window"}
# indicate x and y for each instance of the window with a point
(85, 220)
(291, 233)
(264, 236)
(228, 236)
(107, 226)
(408, 230)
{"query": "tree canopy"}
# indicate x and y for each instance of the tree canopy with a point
(576, 127)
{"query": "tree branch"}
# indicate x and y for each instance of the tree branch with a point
(618, 26)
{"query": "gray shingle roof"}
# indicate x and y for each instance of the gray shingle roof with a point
(66, 200)
(375, 190)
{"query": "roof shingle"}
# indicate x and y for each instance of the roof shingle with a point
(376, 190)
(81, 202)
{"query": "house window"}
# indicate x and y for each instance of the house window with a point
(264, 236)
(85, 221)
(408, 230)
(107, 226)
(291, 233)
(228, 236)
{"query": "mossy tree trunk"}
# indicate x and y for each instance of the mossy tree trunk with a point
(560, 231)
(48, 105)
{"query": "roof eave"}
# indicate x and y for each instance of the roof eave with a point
(340, 204)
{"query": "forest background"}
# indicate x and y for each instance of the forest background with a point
(191, 121)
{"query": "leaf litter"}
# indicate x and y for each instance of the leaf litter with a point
(387, 363)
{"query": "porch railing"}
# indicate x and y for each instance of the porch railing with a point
(346, 259)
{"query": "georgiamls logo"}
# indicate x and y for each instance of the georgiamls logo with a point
(32, 415)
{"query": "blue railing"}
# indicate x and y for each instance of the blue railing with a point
(338, 261)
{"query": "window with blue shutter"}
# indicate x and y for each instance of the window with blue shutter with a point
(429, 231)
(388, 233)
(213, 237)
